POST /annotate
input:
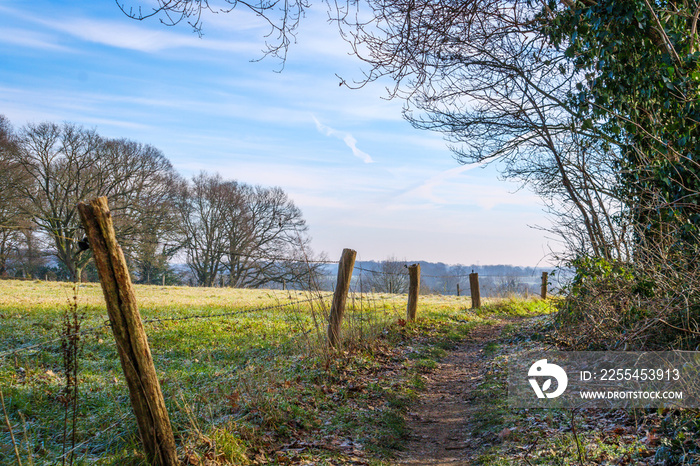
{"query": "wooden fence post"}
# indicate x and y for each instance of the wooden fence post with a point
(543, 290)
(413, 290)
(340, 295)
(457, 289)
(132, 344)
(474, 285)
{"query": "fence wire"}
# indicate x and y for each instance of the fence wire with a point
(300, 329)
(93, 330)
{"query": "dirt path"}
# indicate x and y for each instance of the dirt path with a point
(440, 433)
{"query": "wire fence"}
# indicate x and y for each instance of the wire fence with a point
(178, 245)
(493, 284)
(227, 343)
(207, 360)
(34, 345)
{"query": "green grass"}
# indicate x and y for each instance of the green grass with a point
(239, 388)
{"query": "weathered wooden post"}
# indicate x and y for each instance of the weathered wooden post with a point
(413, 290)
(340, 295)
(457, 289)
(543, 290)
(474, 286)
(132, 344)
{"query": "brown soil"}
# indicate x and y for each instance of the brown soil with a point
(439, 421)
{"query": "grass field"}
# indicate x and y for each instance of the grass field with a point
(242, 385)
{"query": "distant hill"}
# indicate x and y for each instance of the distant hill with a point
(438, 277)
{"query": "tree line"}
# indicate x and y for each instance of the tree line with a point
(226, 232)
(391, 276)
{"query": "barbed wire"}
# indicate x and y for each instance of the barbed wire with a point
(261, 257)
(51, 341)
(384, 272)
(489, 275)
(379, 272)
(198, 248)
(95, 435)
(90, 330)
(232, 313)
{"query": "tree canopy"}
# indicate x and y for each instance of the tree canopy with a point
(253, 235)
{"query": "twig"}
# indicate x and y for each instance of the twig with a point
(529, 450)
(678, 328)
(9, 427)
(30, 453)
(573, 430)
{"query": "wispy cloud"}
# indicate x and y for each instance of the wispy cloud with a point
(426, 189)
(30, 39)
(122, 34)
(140, 38)
(453, 188)
(347, 138)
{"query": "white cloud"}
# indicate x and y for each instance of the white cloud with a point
(137, 37)
(426, 189)
(124, 33)
(23, 38)
(347, 138)
(450, 188)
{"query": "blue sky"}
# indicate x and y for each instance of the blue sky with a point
(363, 177)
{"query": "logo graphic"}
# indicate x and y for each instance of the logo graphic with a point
(543, 369)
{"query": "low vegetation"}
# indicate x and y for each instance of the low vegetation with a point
(503, 436)
(247, 379)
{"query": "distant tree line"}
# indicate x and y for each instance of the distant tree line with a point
(226, 232)
(391, 276)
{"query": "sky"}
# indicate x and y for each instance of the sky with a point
(363, 177)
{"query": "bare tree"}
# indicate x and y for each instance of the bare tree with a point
(282, 18)
(202, 208)
(276, 247)
(509, 285)
(156, 238)
(484, 74)
(12, 219)
(66, 164)
(391, 277)
(29, 257)
(254, 236)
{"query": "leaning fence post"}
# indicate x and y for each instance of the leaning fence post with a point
(132, 344)
(340, 295)
(413, 289)
(543, 290)
(474, 285)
